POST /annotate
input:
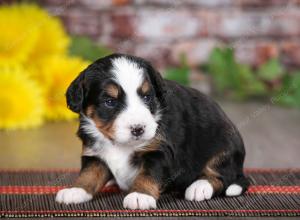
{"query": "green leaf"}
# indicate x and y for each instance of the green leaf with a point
(289, 94)
(239, 81)
(270, 70)
(234, 79)
(180, 75)
(219, 64)
(87, 49)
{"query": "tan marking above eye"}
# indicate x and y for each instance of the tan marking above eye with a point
(112, 90)
(145, 87)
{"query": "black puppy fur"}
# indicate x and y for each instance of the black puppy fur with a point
(196, 138)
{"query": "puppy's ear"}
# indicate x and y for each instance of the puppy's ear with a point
(158, 83)
(75, 93)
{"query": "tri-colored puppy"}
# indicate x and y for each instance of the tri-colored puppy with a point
(150, 135)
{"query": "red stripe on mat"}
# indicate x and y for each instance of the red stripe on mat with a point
(273, 189)
(54, 189)
(151, 211)
(43, 189)
(75, 170)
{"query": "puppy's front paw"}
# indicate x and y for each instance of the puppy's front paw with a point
(199, 191)
(73, 195)
(137, 200)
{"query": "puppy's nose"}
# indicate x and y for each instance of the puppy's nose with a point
(137, 130)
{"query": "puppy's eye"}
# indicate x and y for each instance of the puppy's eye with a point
(111, 103)
(147, 98)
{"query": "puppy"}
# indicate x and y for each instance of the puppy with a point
(150, 135)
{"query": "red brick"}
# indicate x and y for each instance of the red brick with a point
(121, 2)
(166, 24)
(245, 51)
(83, 23)
(122, 25)
(291, 52)
(211, 3)
(158, 53)
(196, 51)
(266, 51)
(157, 3)
(121, 45)
(54, 2)
(162, 29)
(210, 22)
(96, 4)
(256, 52)
(198, 3)
(266, 3)
(275, 23)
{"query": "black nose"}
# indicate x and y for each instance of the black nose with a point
(137, 130)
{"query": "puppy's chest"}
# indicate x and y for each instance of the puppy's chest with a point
(118, 159)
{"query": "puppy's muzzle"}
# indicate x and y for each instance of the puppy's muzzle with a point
(137, 130)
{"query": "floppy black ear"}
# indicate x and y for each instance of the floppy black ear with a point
(75, 94)
(158, 83)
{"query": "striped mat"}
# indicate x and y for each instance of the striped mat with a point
(31, 193)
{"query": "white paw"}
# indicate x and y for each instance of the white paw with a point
(234, 190)
(137, 200)
(199, 191)
(73, 195)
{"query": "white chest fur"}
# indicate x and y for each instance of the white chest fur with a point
(117, 159)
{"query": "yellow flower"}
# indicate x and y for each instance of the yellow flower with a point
(56, 73)
(17, 38)
(21, 99)
(52, 37)
(28, 33)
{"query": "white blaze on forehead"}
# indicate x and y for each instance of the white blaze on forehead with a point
(128, 74)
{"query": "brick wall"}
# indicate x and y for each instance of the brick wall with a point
(161, 30)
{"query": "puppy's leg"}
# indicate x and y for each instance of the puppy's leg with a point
(220, 175)
(143, 194)
(203, 189)
(209, 184)
(238, 186)
(93, 175)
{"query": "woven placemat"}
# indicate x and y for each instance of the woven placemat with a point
(31, 193)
